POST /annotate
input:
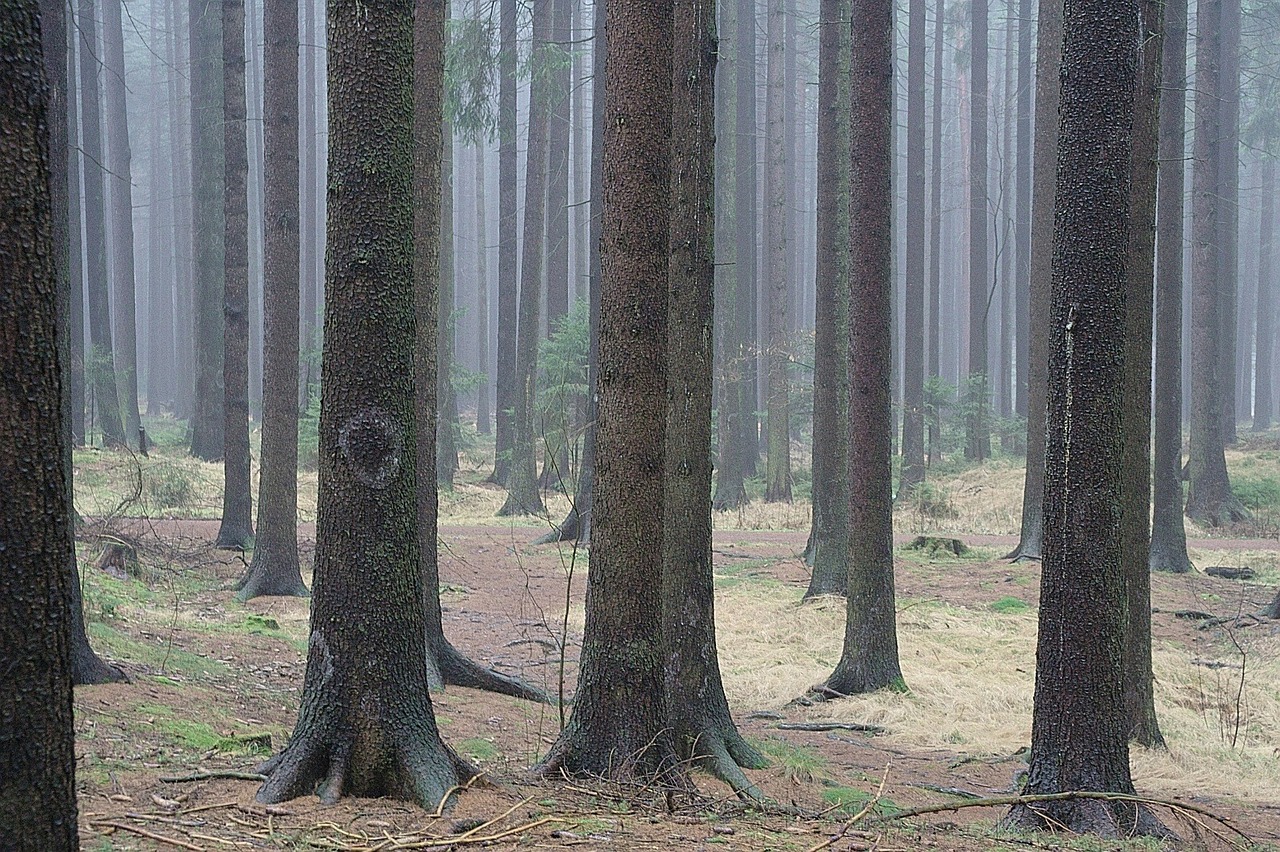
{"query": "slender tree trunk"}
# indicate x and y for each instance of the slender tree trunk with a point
(977, 429)
(777, 486)
(236, 530)
(162, 268)
(275, 569)
(581, 181)
(1168, 533)
(829, 541)
(935, 226)
(1023, 214)
(256, 199)
(508, 242)
(869, 656)
(523, 497)
(913, 322)
(484, 419)
(1048, 60)
(446, 443)
(119, 164)
(183, 229)
(1264, 315)
(310, 221)
(1228, 225)
(76, 261)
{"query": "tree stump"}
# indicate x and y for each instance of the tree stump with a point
(933, 545)
(119, 559)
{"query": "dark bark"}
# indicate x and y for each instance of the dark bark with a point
(869, 657)
(700, 720)
(102, 372)
(977, 429)
(119, 166)
(446, 445)
(619, 727)
(365, 725)
(236, 530)
(37, 735)
(208, 417)
(523, 497)
(935, 221)
(1044, 177)
(913, 318)
(275, 569)
(1079, 733)
(76, 258)
(777, 484)
(828, 549)
(1264, 313)
(508, 242)
(1135, 491)
(1209, 497)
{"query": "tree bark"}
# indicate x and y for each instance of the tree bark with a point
(777, 486)
(1079, 734)
(1264, 314)
(913, 322)
(1022, 227)
(446, 445)
(977, 390)
(37, 735)
(365, 726)
(935, 224)
(1228, 226)
(619, 728)
(484, 419)
(508, 242)
(869, 657)
(275, 569)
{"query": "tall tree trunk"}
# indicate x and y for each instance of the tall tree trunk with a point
(523, 497)
(1168, 534)
(935, 225)
(76, 260)
(119, 164)
(310, 221)
(1228, 226)
(99, 363)
(977, 389)
(1209, 497)
(484, 419)
(1023, 214)
(508, 242)
(829, 541)
(581, 181)
(275, 569)
(869, 656)
(1044, 188)
(236, 530)
(913, 322)
(1264, 314)
(207, 180)
(1079, 735)
(446, 444)
(161, 265)
(257, 198)
(179, 95)
(777, 486)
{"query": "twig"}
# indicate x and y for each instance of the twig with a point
(866, 809)
(206, 776)
(150, 835)
(208, 807)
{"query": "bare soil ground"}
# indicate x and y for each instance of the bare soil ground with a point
(215, 686)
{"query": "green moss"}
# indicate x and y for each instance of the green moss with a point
(478, 749)
(850, 800)
(1009, 605)
(160, 655)
(796, 763)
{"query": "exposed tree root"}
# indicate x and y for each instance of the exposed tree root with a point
(1110, 816)
(570, 530)
(87, 668)
(267, 576)
(723, 753)
(448, 667)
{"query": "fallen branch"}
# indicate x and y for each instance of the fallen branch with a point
(207, 776)
(150, 835)
(829, 726)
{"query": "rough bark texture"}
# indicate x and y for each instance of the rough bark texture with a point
(1135, 507)
(1079, 734)
(37, 739)
(1264, 313)
(1209, 497)
(207, 151)
(275, 569)
(236, 530)
(1044, 177)
(1227, 143)
(913, 317)
(699, 712)
(828, 548)
(365, 725)
(508, 241)
(76, 259)
(977, 429)
(447, 409)
(869, 658)
(1168, 533)
(777, 484)
(523, 496)
(619, 725)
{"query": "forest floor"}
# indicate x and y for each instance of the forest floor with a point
(215, 684)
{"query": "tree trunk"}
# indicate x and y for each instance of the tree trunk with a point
(208, 420)
(1022, 227)
(869, 657)
(1209, 497)
(76, 259)
(913, 322)
(125, 338)
(446, 443)
(484, 420)
(1264, 315)
(309, 222)
(699, 712)
(1079, 733)
(365, 726)
(183, 234)
(100, 362)
(1227, 142)
(935, 226)
(523, 497)
(828, 549)
(37, 738)
(977, 389)
(508, 243)
(274, 569)
(236, 531)
(1044, 177)
(777, 486)
(619, 728)
(161, 265)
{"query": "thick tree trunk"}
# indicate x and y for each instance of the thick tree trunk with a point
(508, 242)
(446, 444)
(619, 727)
(1044, 177)
(1264, 314)
(523, 497)
(913, 322)
(869, 657)
(777, 485)
(119, 165)
(365, 726)
(699, 712)
(236, 531)
(1079, 734)
(828, 548)
(977, 389)
(37, 735)
(275, 569)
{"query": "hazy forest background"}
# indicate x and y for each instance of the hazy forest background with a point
(200, 165)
